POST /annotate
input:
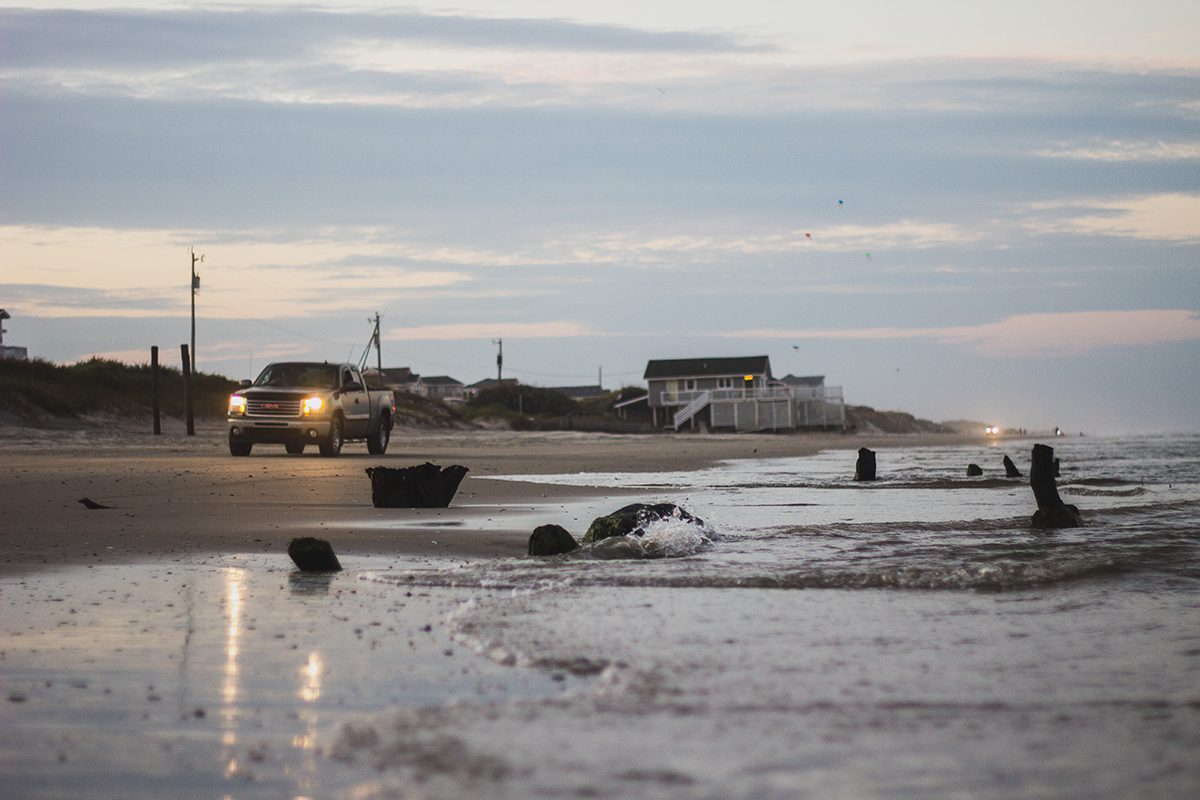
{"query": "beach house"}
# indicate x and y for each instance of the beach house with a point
(441, 387)
(738, 393)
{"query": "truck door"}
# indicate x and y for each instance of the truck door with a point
(356, 404)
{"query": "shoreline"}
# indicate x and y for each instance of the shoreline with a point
(173, 495)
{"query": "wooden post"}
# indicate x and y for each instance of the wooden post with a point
(864, 467)
(1010, 469)
(1052, 512)
(154, 385)
(187, 388)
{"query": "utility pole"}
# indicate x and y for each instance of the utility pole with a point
(378, 354)
(499, 359)
(195, 288)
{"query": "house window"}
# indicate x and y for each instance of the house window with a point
(689, 385)
(724, 383)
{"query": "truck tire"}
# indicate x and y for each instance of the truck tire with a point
(333, 443)
(239, 448)
(294, 448)
(377, 442)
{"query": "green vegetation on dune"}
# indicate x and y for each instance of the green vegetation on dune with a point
(38, 390)
(865, 419)
(528, 408)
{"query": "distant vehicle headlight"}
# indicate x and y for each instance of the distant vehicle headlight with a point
(237, 405)
(312, 406)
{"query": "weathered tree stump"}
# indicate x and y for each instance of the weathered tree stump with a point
(864, 467)
(1010, 469)
(424, 486)
(313, 555)
(630, 519)
(974, 470)
(1052, 512)
(550, 540)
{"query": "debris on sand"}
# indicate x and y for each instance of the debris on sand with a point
(313, 555)
(92, 504)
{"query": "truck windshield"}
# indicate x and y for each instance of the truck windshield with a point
(299, 376)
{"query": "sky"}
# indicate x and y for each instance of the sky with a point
(961, 210)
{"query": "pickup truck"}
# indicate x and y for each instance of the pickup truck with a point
(298, 403)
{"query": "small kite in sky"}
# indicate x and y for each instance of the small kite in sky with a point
(841, 202)
(808, 236)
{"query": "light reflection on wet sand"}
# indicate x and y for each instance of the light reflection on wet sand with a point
(264, 664)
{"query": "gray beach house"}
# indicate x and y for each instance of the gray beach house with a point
(738, 394)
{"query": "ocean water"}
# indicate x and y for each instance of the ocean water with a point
(815, 637)
(818, 637)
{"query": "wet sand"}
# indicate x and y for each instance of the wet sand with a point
(173, 495)
(166, 646)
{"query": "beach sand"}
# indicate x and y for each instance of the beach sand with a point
(173, 495)
(166, 646)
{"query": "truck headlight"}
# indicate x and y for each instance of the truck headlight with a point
(312, 406)
(237, 405)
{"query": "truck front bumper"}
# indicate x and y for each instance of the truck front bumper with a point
(277, 431)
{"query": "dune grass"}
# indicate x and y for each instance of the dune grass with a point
(37, 389)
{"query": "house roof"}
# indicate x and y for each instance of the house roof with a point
(394, 376)
(440, 380)
(491, 383)
(641, 398)
(807, 380)
(707, 367)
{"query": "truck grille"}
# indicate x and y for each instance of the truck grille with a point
(272, 408)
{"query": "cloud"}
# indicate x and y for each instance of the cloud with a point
(1028, 335)
(1160, 217)
(188, 37)
(78, 302)
(1118, 151)
(491, 330)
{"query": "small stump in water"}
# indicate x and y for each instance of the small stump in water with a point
(864, 467)
(313, 555)
(1052, 512)
(551, 540)
(1010, 469)
(424, 486)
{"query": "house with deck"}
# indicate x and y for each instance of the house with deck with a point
(398, 379)
(441, 387)
(472, 391)
(738, 394)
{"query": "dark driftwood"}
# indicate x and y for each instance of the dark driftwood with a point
(424, 486)
(313, 555)
(864, 467)
(1010, 469)
(974, 470)
(1052, 512)
(550, 540)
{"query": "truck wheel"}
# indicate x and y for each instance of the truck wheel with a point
(239, 448)
(333, 443)
(294, 449)
(377, 443)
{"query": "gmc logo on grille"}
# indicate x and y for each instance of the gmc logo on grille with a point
(270, 405)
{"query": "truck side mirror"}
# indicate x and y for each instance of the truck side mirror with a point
(352, 386)
(245, 383)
